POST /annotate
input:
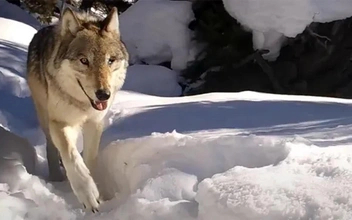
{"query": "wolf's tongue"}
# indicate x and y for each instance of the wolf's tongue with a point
(101, 105)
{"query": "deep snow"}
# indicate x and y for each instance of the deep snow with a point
(219, 156)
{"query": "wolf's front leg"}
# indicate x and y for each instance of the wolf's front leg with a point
(64, 137)
(91, 139)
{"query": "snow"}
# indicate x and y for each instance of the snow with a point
(141, 78)
(261, 193)
(11, 11)
(15, 31)
(245, 155)
(152, 39)
(273, 20)
(18, 155)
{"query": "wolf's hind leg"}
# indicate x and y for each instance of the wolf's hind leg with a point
(53, 157)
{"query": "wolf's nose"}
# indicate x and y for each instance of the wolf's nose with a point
(102, 94)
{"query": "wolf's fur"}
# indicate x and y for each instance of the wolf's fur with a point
(63, 88)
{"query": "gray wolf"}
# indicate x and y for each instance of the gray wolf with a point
(74, 68)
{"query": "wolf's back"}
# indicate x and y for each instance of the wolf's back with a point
(40, 51)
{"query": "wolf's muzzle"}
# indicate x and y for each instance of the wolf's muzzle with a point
(102, 94)
(98, 105)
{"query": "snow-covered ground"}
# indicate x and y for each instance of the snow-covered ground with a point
(226, 156)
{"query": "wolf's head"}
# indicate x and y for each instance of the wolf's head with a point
(93, 54)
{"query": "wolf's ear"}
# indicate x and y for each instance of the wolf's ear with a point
(69, 22)
(111, 22)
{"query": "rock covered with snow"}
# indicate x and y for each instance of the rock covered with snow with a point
(273, 20)
(156, 31)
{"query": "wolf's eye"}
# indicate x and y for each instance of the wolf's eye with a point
(84, 61)
(111, 61)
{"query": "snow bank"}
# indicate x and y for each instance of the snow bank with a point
(34, 199)
(13, 85)
(152, 80)
(15, 31)
(15, 151)
(153, 166)
(156, 31)
(271, 20)
(175, 176)
(311, 183)
(13, 58)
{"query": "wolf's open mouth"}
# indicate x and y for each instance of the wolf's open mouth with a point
(98, 105)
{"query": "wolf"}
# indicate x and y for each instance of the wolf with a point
(74, 69)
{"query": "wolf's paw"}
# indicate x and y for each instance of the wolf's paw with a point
(83, 186)
(87, 193)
